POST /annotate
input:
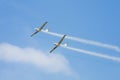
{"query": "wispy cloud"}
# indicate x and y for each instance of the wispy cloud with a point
(49, 63)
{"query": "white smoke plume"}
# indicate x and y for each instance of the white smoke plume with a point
(99, 44)
(93, 53)
(49, 63)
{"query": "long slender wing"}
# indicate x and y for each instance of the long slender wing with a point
(61, 40)
(34, 33)
(41, 27)
(53, 49)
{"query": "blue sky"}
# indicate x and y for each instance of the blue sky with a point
(97, 20)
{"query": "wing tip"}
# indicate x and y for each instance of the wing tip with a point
(46, 22)
(31, 35)
(50, 51)
(65, 35)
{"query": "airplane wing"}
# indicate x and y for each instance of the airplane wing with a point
(41, 27)
(61, 40)
(34, 33)
(53, 49)
(58, 44)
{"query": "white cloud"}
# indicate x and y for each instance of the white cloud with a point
(47, 62)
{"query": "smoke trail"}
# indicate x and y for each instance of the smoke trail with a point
(52, 33)
(116, 48)
(113, 47)
(93, 53)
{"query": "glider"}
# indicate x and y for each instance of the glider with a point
(58, 44)
(39, 29)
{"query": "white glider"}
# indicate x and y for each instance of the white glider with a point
(58, 44)
(39, 29)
